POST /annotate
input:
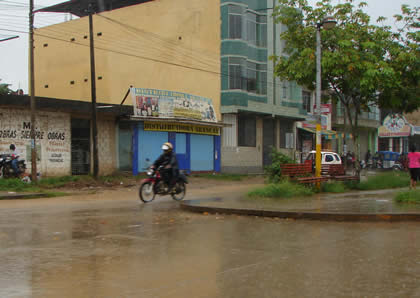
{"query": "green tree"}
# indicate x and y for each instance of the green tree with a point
(402, 93)
(4, 89)
(362, 64)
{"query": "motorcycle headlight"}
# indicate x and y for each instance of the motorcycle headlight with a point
(149, 173)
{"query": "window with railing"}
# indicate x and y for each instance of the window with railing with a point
(235, 21)
(247, 76)
(306, 101)
(374, 112)
(247, 25)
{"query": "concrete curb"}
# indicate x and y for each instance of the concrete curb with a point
(191, 205)
(18, 196)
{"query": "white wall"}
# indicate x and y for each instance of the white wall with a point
(53, 139)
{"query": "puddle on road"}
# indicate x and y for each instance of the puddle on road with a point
(356, 202)
(157, 250)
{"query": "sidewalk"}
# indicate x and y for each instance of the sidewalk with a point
(11, 195)
(351, 206)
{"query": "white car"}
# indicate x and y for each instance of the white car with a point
(327, 158)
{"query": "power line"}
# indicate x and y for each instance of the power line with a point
(18, 4)
(151, 43)
(270, 85)
(115, 42)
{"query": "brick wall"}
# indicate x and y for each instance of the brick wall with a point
(107, 147)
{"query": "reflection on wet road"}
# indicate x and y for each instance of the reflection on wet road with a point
(127, 249)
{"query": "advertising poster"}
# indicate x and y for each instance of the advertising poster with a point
(394, 125)
(169, 104)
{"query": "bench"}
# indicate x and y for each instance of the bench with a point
(338, 173)
(333, 170)
(298, 169)
(301, 173)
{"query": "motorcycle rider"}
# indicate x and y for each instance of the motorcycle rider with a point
(15, 157)
(169, 162)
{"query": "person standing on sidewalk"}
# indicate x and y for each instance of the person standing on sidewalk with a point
(414, 166)
(15, 157)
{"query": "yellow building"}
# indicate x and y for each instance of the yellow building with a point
(184, 56)
(213, 55)
(181, 64)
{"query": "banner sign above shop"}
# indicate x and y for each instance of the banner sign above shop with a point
(154, 103)
(394, 125)
(182, 128)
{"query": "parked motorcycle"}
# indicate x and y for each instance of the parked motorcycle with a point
(6, 170)
(398, 166)
(155, 185)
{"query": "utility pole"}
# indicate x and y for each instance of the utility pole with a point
(93, 95)
(32, 79)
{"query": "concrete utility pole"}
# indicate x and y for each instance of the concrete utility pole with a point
(327, 23)
(32, 79)
(318, 102)
(93, 95)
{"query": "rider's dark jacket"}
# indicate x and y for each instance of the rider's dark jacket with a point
(168, 159)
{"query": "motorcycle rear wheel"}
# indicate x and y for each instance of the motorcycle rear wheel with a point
(146, 192)
(180, 191)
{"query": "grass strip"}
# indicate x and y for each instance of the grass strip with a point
(384, 181)
(411, 197)
(334, 187)
(284, 189)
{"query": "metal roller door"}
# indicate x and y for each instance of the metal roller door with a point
(202, 153)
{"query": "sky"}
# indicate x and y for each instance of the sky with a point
(14, 22)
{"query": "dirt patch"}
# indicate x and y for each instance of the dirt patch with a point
(120, 182)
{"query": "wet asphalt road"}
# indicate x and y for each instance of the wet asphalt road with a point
(115, 246)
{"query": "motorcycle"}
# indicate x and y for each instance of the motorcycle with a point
(398, 166)
(6, 169)
(155, 185)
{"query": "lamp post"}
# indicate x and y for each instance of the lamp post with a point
(327, 23)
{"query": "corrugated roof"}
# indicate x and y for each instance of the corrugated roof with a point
(81, 8)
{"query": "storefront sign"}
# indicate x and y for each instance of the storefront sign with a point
(311, 121)
(326, 108)
(168, 104)
(182, 127)
(394, 125)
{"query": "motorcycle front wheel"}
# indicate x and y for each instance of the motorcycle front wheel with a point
(180, 191)
(146, 192)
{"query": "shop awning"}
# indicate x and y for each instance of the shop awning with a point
(328, 134)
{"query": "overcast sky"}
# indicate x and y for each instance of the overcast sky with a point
(14, 22)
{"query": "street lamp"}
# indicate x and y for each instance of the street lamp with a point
(327, 23)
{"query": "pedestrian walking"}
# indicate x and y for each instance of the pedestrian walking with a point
(414, 166)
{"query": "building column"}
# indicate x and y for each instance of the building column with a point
(390, 141)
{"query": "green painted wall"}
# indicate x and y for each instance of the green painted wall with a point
(241, 48)
(238, 98)
(252, 4)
